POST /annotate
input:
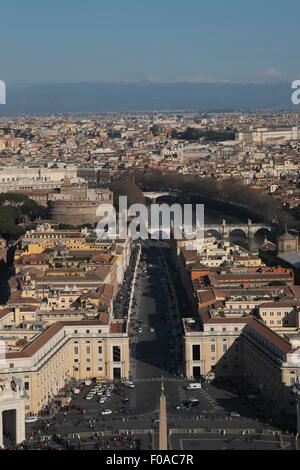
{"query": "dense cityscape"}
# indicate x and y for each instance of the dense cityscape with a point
(100, 335)
(149, 229)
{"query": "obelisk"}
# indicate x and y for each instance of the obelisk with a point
(163, 432)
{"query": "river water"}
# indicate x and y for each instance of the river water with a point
(212, 216)
(253, 244)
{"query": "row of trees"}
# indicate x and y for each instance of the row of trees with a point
(205, 134)
(126, 187)
(12, 209)
(255, 202)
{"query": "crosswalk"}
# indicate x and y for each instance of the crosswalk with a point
(212, 401)
(132, 398)
(185, 394)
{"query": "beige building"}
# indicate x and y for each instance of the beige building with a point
(68, 350)
(244, 351)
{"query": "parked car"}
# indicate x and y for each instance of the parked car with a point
(106, 412)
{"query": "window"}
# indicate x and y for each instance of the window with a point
(88, 350)
(212, 329)
(26, 385)
(99, 368)
(11, 365)
(99, 331)
(236, 329)
(99, 349)
(116, 354)
(75, 331)
(196, 352)
(223, 329)
(212, 348)
(76, 350)
(224, 348)
(292, 381)
(88, 368)
(87, 331)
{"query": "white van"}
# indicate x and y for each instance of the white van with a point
(193, 386)
(76, 391)
(31, 419)
(88, 383)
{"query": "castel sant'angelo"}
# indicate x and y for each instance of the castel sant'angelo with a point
(77, 204)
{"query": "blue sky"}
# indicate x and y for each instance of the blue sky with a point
(43, 41)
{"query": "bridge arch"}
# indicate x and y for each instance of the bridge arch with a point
(166, 198)
(237, 230)
(215, 233)
(262, 230)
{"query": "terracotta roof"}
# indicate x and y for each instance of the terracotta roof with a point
(117, 328)
(4, 312)
(269, 334)
(42, 339)
(277, 340)
(279, 304)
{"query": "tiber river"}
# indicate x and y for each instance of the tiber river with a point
(213, 216)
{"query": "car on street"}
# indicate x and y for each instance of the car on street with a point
(234, 414)
(128, 384)
(193, 386)
(129, 411)
(31, 419)
(194, 402)
(106, 412)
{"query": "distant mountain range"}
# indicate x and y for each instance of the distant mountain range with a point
(143, 96)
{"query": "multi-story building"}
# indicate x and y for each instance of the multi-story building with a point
(246, 352)
(68, 350)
